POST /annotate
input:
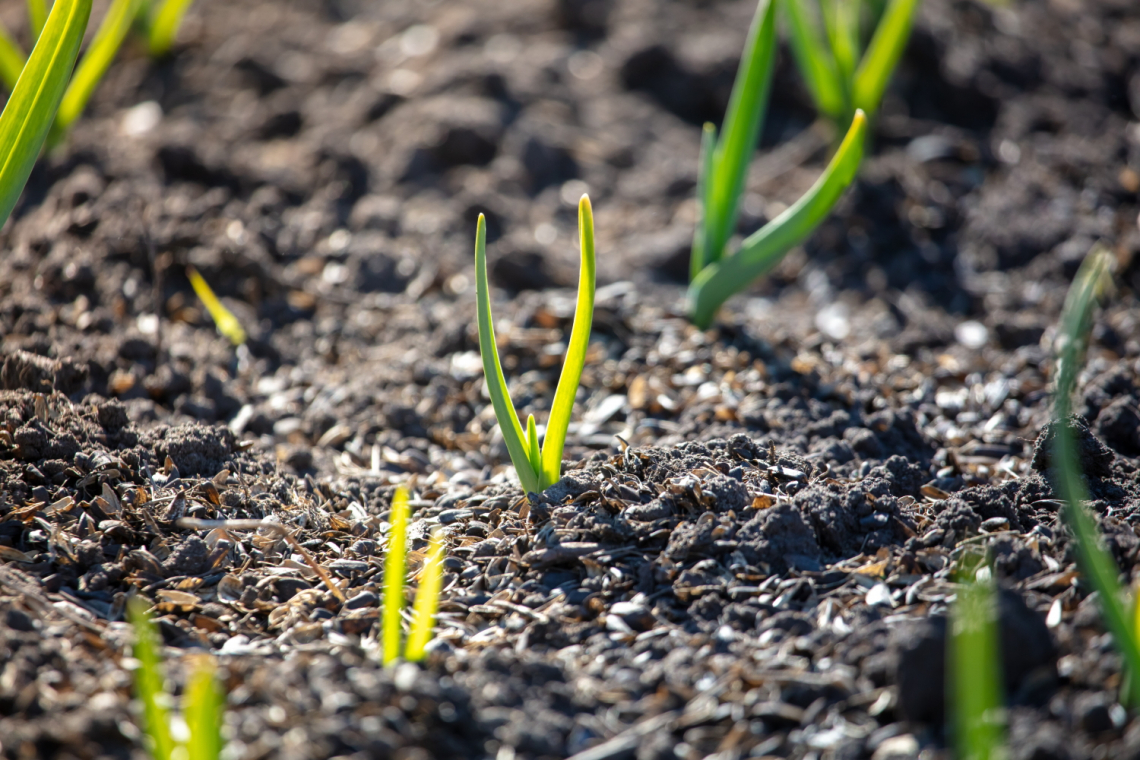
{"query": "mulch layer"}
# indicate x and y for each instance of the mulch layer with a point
(752, 551)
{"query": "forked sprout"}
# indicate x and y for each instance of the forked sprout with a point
(538, 467)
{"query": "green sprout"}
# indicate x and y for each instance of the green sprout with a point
(427, 595)
(714, 277)
(165, 18)
(1092, 281)
(975, 666)
(94, 64)
(31, 108)
(37, 17)
(842, 78)
(76, 87)
(224, 319)
(538, 469)
(203, 705)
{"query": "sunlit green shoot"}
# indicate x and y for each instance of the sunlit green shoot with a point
(427, 595)
(537, 468)
(1092, 281)
(37, 17)
(31, 107)
(427, 600)
(203, 705)
(841, 75)
(11, 60)
(224, 319)
(975, 696)
(203, 708)
(164, 25)
(94, 64)
(150, 683)
(723, 173)
(394, 564)
(765, 248)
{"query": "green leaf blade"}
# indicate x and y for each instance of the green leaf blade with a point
(742, 122)
(37, 17)
(394, 564)
(164, 28)
(764, 249)
(975, 670)
(699, 256)
(149, 681)
(427, 599)
(493, 370)
(204, 710)
(882, 55)
(1094, 561)
(108, 39)
(559, 422)
(815, 62)
(11, 60)
(28, 115)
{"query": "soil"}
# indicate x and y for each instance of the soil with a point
(751, 552)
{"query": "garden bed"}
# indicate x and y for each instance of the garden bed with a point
(750, 551)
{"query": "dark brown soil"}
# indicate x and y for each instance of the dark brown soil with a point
(763, 572)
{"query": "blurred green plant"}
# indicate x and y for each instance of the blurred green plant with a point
(427, 595)
(81, 82)
(537, 469)
(36, 95)
(162, 20)
(224, 319)
(1093, 281)
(203, 704)
(94, 64)
(714, 277)
(841, 74)
(974, 662)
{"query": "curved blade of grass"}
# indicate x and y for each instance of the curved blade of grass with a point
(559, 421)
(31, 107)
(699, 255)
(149, 682)
(815, 62)
(224, 319)
(975, 669)
(394, 575)
(95, 63)
(882, 55)
(203, 708)
(763, 249)
(165, 25)
(11, 60)
(1095, 562)
(427, 599)
(37, 17)
(493, 370)
(742, 122)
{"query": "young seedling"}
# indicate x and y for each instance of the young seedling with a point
(36, 96)
(537, 468)
(975, 667)
(224, 319)
(714, 277)
(203, 706)
(165, 20)
(840, 80)
(1092, 281)
(427, 595)
(93, 65)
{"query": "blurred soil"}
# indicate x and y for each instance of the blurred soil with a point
(763, 572)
